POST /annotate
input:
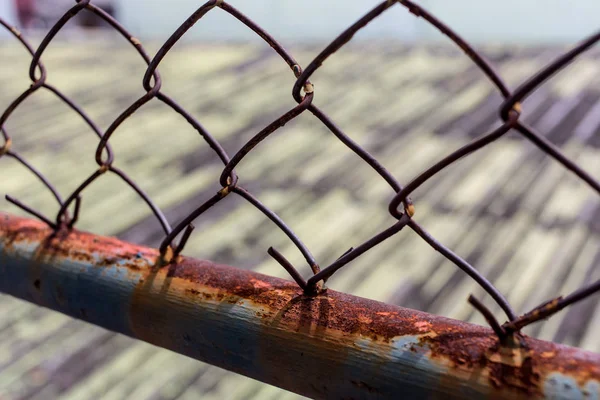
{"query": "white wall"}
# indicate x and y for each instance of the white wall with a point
(525, 21)
(284, 19)
(478, 20)
(517, 20)
(7, 13)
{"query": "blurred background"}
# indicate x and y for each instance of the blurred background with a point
(400, 89)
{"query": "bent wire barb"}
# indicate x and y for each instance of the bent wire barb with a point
(400, 207)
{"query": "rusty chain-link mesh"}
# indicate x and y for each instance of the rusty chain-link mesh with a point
(303, 92)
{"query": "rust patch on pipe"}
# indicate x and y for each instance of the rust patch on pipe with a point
(466, 348)
(524, 369)
(349, 314)
(76, 245)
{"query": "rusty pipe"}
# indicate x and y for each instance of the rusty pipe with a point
(330, 346)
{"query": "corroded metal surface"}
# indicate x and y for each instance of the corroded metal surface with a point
(331, 345)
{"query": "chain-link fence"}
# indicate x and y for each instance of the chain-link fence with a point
(405, 212)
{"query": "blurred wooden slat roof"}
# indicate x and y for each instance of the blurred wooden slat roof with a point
(520, 218)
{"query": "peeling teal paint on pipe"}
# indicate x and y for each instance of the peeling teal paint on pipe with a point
(68, 286)
(330, 346)
(63, 285)
(558, 386)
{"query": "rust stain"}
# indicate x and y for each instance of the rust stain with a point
(523, 369)
(76, 245)
(515, 357)
(423, 326)
(259, 284)
(287, 300)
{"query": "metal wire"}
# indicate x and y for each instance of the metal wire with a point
(303, 92)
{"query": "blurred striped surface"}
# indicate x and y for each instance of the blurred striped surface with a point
(519, 217)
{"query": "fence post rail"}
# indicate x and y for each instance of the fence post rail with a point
(333, 345)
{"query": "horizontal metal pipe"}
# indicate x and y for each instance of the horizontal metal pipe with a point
(330, 346)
